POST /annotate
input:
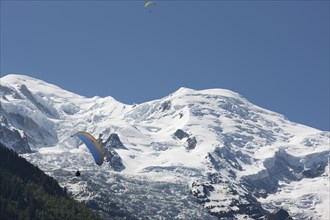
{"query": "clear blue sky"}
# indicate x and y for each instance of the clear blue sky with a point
(274, 53)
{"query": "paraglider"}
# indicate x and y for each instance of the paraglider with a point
(149, 4)
(93, 146)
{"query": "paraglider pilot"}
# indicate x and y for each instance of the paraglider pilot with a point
(77, 173)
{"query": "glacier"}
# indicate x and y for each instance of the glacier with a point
(194, 154)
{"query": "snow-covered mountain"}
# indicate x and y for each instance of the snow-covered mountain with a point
(192, 155)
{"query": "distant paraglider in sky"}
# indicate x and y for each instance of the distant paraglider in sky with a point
(148, 5)
(92, 144)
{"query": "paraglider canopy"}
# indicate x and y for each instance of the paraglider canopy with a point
(93, 146)
(149, 3)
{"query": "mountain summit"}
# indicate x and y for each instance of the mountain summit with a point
(194, 154)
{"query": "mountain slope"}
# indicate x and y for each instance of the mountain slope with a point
(192, 153)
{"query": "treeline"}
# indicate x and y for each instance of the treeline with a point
(27, 193)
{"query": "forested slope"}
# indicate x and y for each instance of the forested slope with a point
(27, 193)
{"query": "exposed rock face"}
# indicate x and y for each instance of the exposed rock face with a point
(285, 167)
(12, 137)
(18, 143)
(280, 215)
(36, 134)
(312, 173)
(192, 142)
(181, 134)
(165, 106)
(201, 190)
(28, 126)
(114, 142)
(47, 111)
(111, 156)
(8, 91)
(236, 202)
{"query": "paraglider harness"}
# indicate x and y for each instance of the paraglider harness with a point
(77, 173)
